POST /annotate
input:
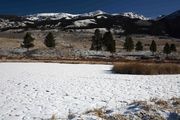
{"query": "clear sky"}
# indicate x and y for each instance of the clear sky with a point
(149, 8)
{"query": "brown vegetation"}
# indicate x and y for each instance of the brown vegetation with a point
(101, 113)
(162, 103)
(146, 68)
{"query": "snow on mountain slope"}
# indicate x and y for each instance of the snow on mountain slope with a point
(83, 23)
(52, 16)
(99, 13)
(36, 91)
(45, 20)
(95, 13)
(5, 23)
(101, 16)
(57, 16)
(134, 16)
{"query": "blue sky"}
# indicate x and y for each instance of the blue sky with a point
(149, 8)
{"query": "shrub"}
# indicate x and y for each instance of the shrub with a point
(146, 69)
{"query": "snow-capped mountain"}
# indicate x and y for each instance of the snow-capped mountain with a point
(51, 16)
(58, 16)
(128, 23)
(134, 16)
(99, 13)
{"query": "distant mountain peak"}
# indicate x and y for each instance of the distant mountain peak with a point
(94, 13)
(134, 16)
(99, 12)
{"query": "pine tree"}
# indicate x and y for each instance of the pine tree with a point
(108, 42)
(153, 47)
(173, 48)
(139, 46)
(28, 41)
(129, 44)
(167, 49)
(49, 40)
(96, 40)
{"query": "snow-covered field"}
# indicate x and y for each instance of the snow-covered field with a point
(38, 90)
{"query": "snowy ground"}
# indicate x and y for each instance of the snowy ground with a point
(36, 91)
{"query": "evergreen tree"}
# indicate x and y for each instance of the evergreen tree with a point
(153, 47)
(108, 42)
(167, 49)
(49, 40)
(129, 44)
(173, 48)
(96, 40)
(139, 46)
(28, 41)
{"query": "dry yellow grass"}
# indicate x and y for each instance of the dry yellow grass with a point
(97, 112)
(146, 68)
(100, 112)
(53, 117)
(116, 117)
(162, 103)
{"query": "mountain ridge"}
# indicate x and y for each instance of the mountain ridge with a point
(56, 16)
(122, 23)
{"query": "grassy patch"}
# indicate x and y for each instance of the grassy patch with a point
(99, 112)
(146, 68)
(102, 114)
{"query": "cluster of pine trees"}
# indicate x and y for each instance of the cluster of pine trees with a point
(107, 43)
(49, 41)
(169, 48)
(103, 42)
(129, 46)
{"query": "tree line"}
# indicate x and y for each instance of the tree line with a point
(129, 46)
(27, 43)
(101, 42)
(107, 43)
